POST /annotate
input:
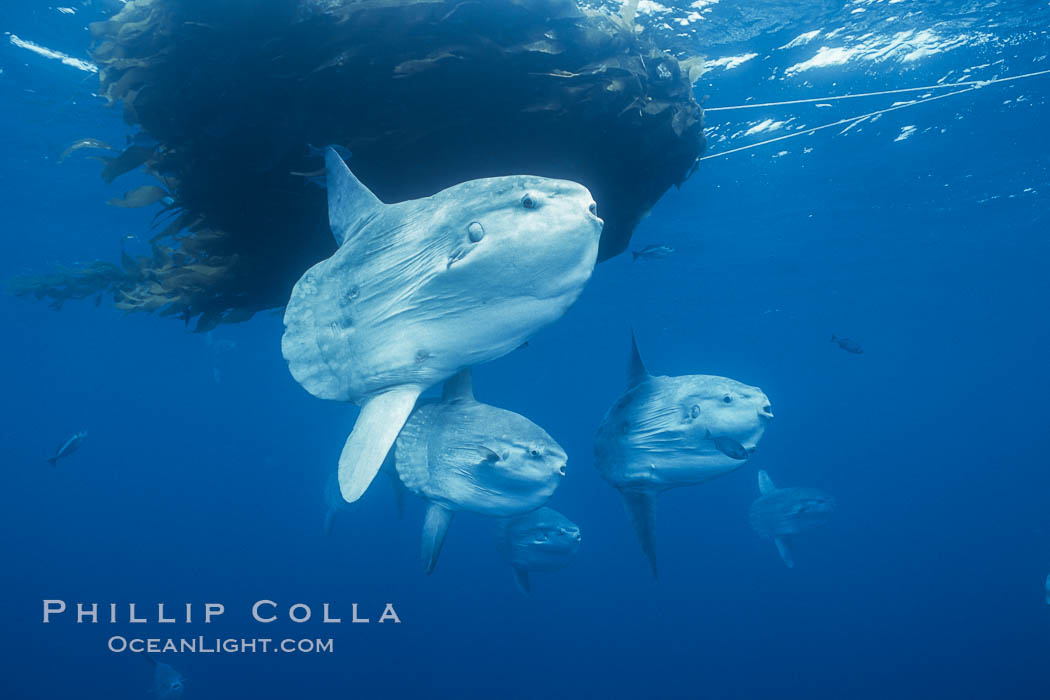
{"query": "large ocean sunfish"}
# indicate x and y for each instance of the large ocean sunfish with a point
(463, 455)
(780, 514)
(421, 289)
(665, 432)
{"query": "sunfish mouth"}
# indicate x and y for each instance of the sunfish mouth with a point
(766, 411)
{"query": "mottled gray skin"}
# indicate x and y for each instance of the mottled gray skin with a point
(411, 299)
(543, 540)
(779, 514)
(659, 435)
(463, 455)
(655, 436)
(421, 289)
(466, 455)
(168, 684)
(791, 511)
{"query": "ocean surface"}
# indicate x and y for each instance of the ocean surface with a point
(921, 233)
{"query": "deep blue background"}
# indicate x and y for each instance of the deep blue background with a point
(928, 583)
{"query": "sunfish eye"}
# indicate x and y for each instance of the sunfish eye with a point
(534, 452)
(475, 232)
(528, 202)
(695, 412)
(727, 399)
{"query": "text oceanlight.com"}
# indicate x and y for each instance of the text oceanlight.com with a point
(202, 645)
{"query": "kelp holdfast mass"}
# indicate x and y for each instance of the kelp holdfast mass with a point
(233, 99)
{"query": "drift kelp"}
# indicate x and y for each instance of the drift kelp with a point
(424, 94)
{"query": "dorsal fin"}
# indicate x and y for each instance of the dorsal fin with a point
(636, 372)
(765, 484)
(350, 204)
(458, 386)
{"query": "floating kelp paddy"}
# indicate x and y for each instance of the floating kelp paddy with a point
(232, 102)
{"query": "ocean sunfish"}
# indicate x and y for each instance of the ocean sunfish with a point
(421, 289)
(460, 454)
(543, 540)
(781, 513)
(168, 684)
(660, 435)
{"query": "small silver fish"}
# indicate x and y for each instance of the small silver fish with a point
(142, 197)
(851, 346)
(68, 447)
(85, 143)
(653, 252)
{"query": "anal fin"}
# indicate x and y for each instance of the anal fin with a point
(435, 527)
(641, 509)
(521, 577)
(785, 551)
(381, 419)
(399, 491)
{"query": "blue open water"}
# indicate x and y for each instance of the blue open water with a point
(922, 234)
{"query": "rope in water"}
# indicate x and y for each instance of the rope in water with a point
(974, 83)
(840, 122)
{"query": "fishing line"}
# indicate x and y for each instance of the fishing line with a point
(840, 122)
(974, 83)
